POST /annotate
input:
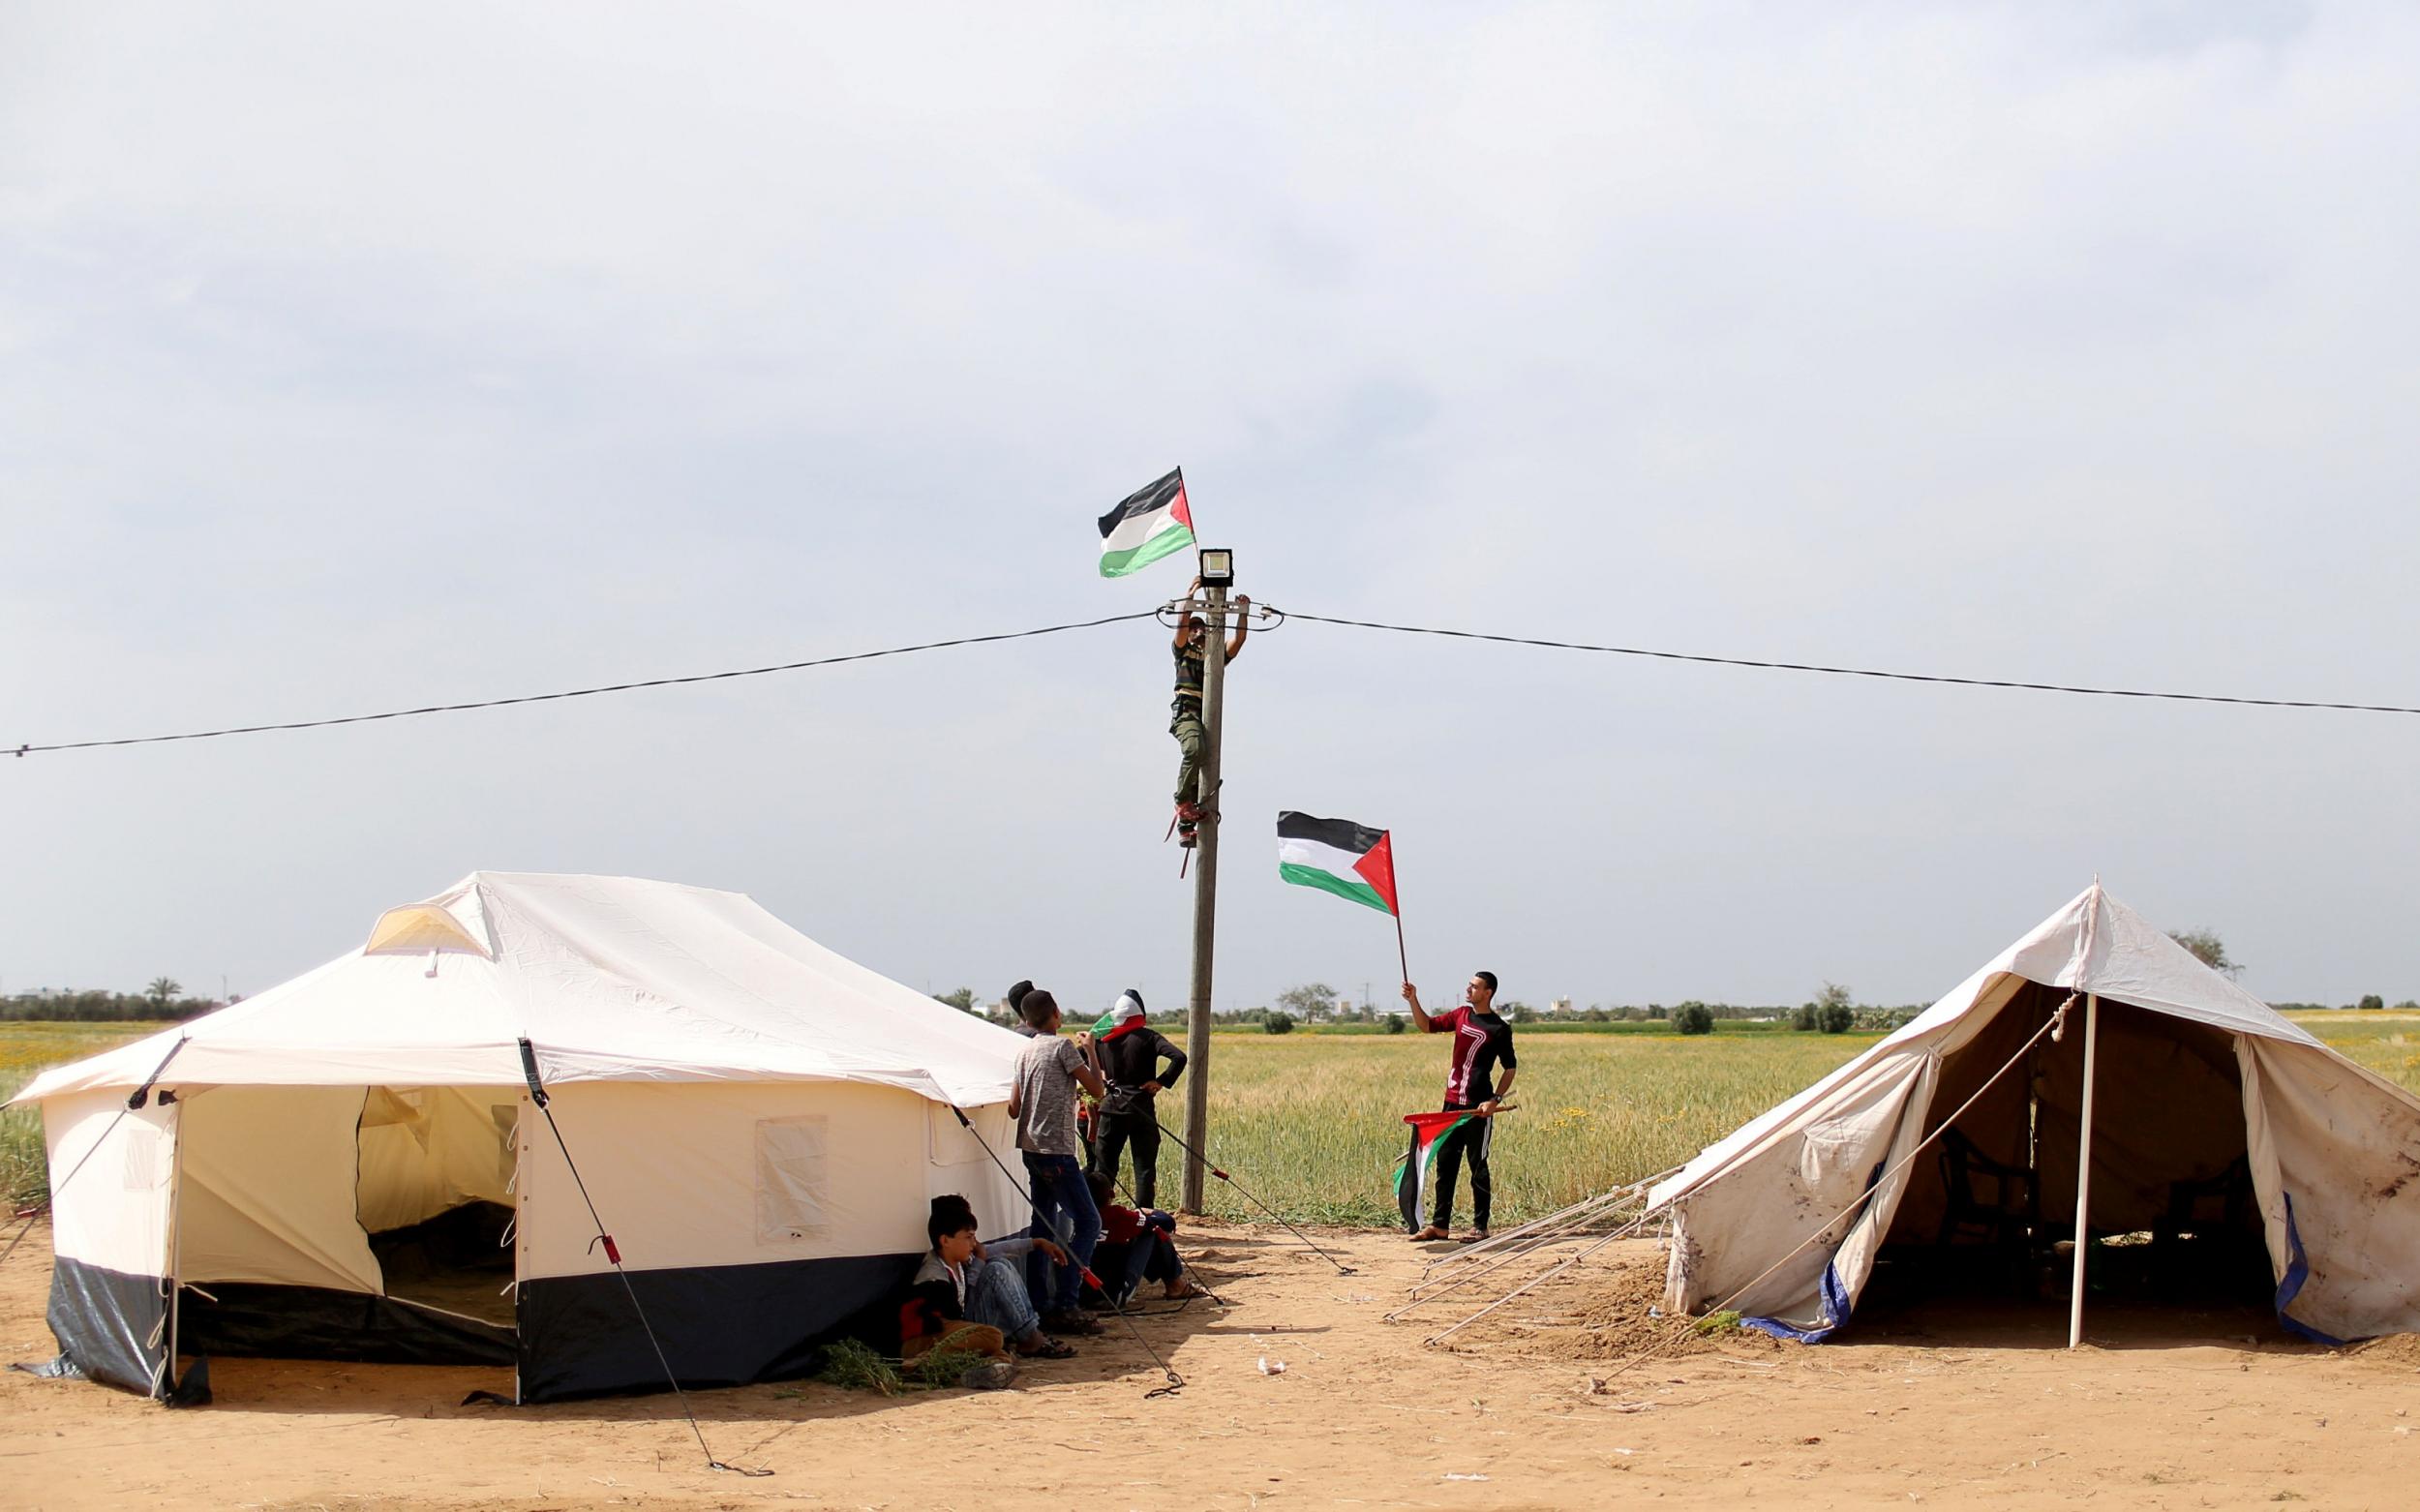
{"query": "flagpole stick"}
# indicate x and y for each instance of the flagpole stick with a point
(1395, 906)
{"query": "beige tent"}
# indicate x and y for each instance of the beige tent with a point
(2195, 1084)
(351, 1164)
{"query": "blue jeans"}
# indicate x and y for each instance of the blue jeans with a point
(1063, 1208)
(995, 1295)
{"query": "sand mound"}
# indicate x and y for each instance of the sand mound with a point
(2395, 1351)
(1600, 1310)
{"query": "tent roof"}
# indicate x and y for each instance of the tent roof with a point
(612, 979)
(2094, 943)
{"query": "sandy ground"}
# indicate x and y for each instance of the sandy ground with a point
(1551, 1402)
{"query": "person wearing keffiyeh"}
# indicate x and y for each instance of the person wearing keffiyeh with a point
(1131, 1055)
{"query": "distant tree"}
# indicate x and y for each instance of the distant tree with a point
(162, 989)
(1595, 1015)
(963, 999)
(1309, 1001)
(1278, 1024)
(2207, 948)
(1656, 1011)
(1835, 1019)
(1394, 1023)
(1519, 1013)
(2371, 1002)
(1804, 1016)
(1693, 1017)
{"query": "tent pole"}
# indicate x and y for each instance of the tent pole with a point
(2083, 1173)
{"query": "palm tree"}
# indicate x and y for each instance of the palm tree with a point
(163, 989)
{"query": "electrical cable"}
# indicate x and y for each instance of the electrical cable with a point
(1271, 619)
(588, 692)
(1857, 672)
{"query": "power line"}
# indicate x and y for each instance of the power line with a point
(1858, 672)
(588, 692)
(1276, 618)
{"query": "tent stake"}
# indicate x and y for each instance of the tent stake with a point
(2083, 1174)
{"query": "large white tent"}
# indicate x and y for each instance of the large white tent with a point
(2193, 1079)
(760, 1123)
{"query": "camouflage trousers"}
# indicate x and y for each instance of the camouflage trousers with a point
(1191, 736)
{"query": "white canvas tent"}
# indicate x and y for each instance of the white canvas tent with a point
(760, 1123)
(2194, 1077)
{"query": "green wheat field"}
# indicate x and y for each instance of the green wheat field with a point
(1312, 1123)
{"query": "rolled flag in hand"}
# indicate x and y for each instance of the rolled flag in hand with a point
(1418, 1175)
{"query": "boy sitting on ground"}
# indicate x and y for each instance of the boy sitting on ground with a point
(1134, 1247)
(973, 1293)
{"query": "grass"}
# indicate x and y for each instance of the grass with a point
(1312, 1122)
(27, 1048)
(2386, 1042)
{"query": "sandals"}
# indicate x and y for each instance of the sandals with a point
(1048, 1350)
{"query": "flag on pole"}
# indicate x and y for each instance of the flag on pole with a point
(1414, 1185)
(1337, 856)
(1146, 525)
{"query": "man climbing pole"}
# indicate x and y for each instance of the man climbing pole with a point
(1193, 641)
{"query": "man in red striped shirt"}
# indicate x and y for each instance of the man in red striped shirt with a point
(1482, 1042)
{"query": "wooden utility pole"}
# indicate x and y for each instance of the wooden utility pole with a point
(1205, 903)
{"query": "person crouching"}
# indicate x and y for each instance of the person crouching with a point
(1135, 1246)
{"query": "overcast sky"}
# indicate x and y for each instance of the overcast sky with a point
(355, 360)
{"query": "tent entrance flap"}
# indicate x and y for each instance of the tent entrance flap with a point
(2173, 1212)
(348, 1223)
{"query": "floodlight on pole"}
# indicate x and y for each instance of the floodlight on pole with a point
(1218, 568)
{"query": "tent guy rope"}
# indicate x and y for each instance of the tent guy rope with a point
(538, 1095)
(2055, 1026)
(134, 1101)
(1174, 1382)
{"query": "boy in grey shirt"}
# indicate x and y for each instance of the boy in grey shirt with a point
(1041, 1099)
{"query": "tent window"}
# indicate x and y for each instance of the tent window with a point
(792, 1194)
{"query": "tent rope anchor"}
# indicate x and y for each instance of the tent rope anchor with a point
(538, 1095)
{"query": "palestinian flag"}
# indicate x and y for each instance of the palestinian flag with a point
(1108, 1026)
(1146, 527)
(1419, 1172)
(1337, 856)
